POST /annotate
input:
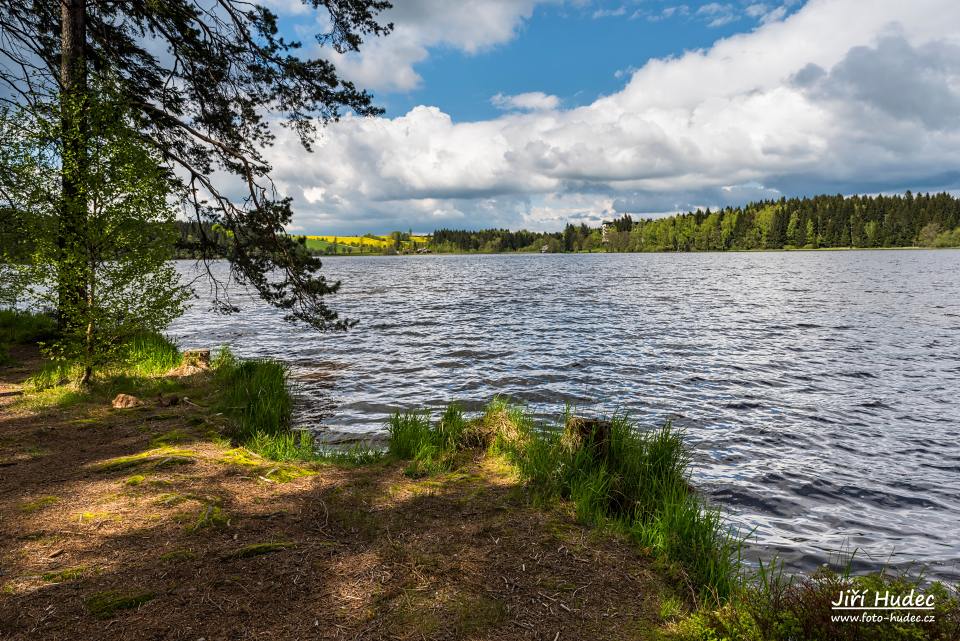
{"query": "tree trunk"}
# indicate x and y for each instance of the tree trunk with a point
(73, 121)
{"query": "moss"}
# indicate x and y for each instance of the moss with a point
(170, 438)
(177, 556)
(155, 458)
(474, 614)
(99, 517)
(38, 504)
(262, 468)
(240, 456)
(209, 517)
(104, 605)
(62, 576)
(257, 549)
(134, 480)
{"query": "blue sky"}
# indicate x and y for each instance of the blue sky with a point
(535, 113)
(576, 53)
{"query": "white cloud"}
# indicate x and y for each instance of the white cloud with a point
(471, 26)
(531, 101)
(838, 95)
(610, 13)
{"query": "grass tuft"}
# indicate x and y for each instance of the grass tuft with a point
(254, 395)
(149, 355)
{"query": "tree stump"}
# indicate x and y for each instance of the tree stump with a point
(589, 433)
(197, 358)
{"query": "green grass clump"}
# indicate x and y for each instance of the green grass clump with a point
(409, 432)
(431, 448)
(104, 605)
(257, 549)
(134, 480)
(38, 504)
(254, 395)
(62, 576)
(775, 607)
(637, 485)
(149, 355)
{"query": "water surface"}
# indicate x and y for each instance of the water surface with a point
(819, 390)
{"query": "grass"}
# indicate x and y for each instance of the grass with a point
(19, 327)
(254, 395)
(774, 606)
(105, 605)
(639, 486)
(634, 481)
(149, 355)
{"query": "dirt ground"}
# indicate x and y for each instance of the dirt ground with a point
(140, 524)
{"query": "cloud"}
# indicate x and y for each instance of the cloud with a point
(836, 97)
(610, 13)
(531, 101)
(387, 64)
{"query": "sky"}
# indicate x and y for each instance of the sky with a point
(534, 113)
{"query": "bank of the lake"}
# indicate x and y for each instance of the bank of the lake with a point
(149, 523)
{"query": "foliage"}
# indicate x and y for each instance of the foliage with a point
(115, 265)
(205, 85)
(930, 220)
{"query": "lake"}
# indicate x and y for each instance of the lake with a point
(819, 391)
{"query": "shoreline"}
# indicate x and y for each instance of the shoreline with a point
(156, 504)
(643, 253)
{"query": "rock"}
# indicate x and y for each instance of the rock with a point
(125, 401)
(590, 433)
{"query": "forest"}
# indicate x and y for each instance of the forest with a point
(908, 220)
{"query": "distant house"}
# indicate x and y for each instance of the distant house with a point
(545, 249)
(605, 228)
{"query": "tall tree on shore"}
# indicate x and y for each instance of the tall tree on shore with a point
(204, 81)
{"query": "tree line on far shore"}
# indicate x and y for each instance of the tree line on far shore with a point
(908, 220)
